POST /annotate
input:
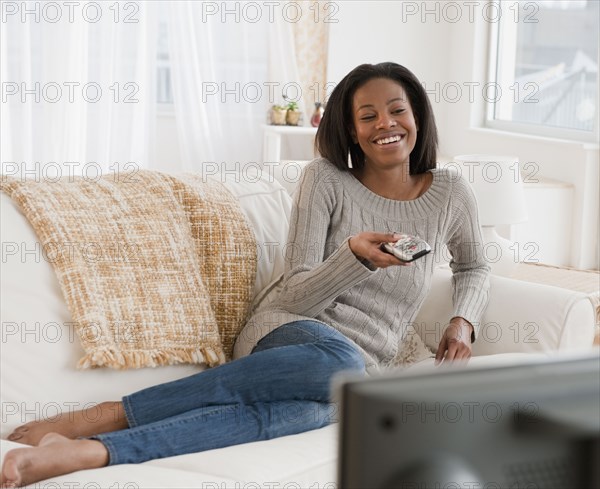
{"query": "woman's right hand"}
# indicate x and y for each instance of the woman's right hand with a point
(367, 246)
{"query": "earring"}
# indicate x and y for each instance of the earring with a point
(349, 159)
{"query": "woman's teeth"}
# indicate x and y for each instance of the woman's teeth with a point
(392, 139)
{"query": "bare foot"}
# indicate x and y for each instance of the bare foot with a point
(55, 455)
(105, 417)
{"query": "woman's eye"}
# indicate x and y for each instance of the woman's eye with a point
(366, 118)
(398, 111)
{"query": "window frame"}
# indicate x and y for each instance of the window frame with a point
(553, 132)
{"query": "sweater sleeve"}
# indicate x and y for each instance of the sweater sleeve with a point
(312, 280)
(470, 271)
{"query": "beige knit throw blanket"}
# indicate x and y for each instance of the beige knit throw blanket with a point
(155, 269)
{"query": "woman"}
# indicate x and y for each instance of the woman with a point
(344, 304)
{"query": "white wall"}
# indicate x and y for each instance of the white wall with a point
(441, 52)
(378, 31)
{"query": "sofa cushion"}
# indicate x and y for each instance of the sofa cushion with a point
(267, 205)
(294, 462)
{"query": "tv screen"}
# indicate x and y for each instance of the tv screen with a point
(526, 426)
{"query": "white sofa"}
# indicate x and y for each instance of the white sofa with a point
(39, 352)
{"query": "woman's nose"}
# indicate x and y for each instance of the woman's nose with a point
(386, 121)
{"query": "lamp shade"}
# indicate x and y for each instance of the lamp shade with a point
(496, 182)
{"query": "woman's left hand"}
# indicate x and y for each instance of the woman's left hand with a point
(456, 341)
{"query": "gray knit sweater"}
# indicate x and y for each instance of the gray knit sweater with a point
(324, 280)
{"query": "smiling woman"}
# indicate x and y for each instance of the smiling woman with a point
(378, 119)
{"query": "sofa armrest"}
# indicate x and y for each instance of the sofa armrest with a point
(521, 317)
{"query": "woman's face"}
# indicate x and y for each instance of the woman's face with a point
(384, 125)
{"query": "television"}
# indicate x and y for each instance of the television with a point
(525, 426)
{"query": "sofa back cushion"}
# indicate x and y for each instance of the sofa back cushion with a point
(267, 206)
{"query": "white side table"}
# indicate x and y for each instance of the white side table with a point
(272, 139)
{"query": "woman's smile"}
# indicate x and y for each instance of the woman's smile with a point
(389, 140)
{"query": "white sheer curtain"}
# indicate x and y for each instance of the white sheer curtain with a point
(220, 79)
(80, 95)
(78, 88)
(283, 66)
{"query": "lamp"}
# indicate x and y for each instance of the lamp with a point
(496, 182)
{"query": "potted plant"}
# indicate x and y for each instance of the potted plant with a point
(293, 114)
(278, 115)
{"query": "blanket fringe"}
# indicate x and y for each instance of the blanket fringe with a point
(137, 359)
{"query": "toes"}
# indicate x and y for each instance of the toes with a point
(9, 484)
(10, 473)
(21, 429)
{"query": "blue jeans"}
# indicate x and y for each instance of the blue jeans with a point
(282, 388)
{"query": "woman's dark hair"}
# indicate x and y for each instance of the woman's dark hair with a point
(334, 139)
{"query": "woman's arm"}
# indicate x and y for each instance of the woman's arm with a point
(313, 278)
(470, 275)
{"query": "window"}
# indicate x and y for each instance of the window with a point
(544, 68)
